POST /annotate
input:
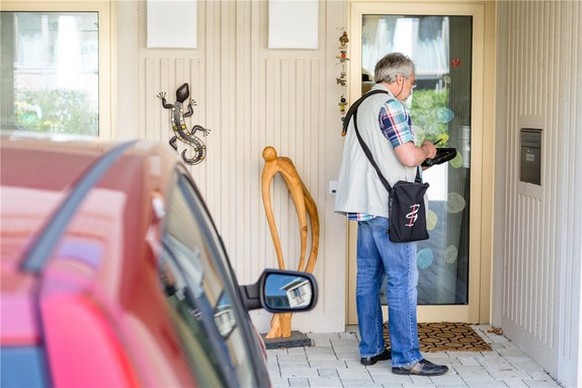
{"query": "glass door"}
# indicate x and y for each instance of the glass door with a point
(441, 42)
(440, 108)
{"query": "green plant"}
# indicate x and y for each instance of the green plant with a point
(430, 115)
(57, 111)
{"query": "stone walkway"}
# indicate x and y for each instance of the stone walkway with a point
(334, 361)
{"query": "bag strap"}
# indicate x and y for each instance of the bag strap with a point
(355, 106)
(354, 111)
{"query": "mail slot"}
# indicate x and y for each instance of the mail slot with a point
(531, 150)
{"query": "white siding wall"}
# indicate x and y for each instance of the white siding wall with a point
(537, 272)
(250, 97)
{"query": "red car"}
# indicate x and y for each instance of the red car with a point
(113, 273)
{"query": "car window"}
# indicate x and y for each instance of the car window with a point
(200, 292)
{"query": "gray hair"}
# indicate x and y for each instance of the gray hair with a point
(391, 65)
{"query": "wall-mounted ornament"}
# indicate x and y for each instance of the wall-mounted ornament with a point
(342, 79)
(343, 56)
(195, 147)
(342, 104)
(343, 39)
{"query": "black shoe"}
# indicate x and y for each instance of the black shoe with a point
(385, 355)
(421, 368)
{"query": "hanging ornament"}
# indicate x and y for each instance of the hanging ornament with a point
(342, 79)
(343, 56)
(344, 39)
(342, 104)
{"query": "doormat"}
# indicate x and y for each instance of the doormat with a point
(446, 336)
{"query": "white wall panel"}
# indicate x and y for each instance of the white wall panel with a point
(540, 294)
(251, 97)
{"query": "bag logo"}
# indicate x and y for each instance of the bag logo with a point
(413, 215)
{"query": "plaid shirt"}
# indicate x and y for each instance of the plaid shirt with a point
(360, 216)
(396, 126)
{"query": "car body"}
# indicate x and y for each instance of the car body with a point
(113, 273)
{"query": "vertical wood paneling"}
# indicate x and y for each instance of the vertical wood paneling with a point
(250, 97)
(541, 279)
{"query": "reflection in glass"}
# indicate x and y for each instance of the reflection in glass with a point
(440, 107)
(285, 291)
(224, 316)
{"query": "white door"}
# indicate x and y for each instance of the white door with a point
(446, 42)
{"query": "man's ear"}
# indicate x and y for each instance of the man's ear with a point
(399, 79)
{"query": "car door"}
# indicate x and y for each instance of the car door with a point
(202, 292)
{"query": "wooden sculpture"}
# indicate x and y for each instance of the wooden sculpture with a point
(304, 205)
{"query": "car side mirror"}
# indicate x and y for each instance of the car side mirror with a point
(281, 291)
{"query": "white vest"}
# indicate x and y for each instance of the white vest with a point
(359, 188)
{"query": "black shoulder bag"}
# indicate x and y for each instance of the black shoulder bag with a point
(407, 211)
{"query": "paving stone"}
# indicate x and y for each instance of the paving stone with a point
(295, 351)
(348, 355)
(422, 380)
(514, 383)
(336, 364)
(509, 374)
(355, 363)
(467, 361)
(321, 382)
(477, 379)
(292, 359)
(419, 385)
(541, 383)
(391, 378)
(324, 353)
(299, 382)
(537, 374)
(447, 380)
(359, 382)
(334, 361)
(351, 373)
(279, 382)
(274, 370)
(328, 373)
(293, 371)
(466, 370)
(486, 384)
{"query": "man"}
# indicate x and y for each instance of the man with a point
(386, 128)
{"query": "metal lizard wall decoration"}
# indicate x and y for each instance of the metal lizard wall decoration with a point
(179, 127)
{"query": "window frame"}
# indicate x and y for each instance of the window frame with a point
(106, 59)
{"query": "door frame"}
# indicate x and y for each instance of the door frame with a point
(482, 151)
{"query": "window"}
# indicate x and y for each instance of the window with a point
(195, 277)
(54, 68)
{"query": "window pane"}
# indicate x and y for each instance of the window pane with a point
(50, 72)
(195, 276)
(440, 107)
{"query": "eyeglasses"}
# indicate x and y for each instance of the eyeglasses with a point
(412, 83)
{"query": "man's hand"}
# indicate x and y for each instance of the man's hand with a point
(429, 149)
(411, 156)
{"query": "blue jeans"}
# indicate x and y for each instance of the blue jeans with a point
(377, 257)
